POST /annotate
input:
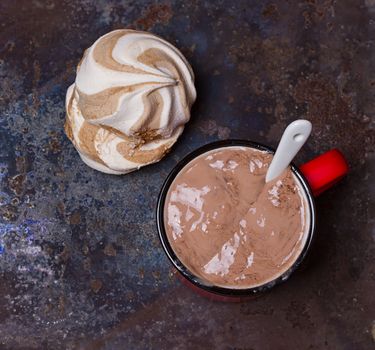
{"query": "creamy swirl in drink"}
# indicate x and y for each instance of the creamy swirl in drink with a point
(130, 101)
(229, 227)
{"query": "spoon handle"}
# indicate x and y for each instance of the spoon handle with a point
(294, 137)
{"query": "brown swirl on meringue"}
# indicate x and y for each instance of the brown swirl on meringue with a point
(130, 101)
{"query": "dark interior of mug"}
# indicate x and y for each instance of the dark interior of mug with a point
(223, 290)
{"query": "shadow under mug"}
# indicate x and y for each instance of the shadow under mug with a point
(314, 177)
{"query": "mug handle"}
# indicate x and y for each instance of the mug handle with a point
(325, 170)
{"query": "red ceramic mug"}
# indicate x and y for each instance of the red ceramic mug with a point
(314, 177)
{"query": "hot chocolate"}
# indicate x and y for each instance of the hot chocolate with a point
(229, 227)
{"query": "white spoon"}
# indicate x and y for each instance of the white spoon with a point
(294, 137)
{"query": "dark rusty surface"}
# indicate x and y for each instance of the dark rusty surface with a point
(81, 265)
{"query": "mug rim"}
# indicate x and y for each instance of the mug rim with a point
(182, 269)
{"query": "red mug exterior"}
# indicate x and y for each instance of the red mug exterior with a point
(325, 170)
(315, 177)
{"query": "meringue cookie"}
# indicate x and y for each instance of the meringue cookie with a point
(130, 101)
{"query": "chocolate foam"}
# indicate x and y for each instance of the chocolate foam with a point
(229, 227)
